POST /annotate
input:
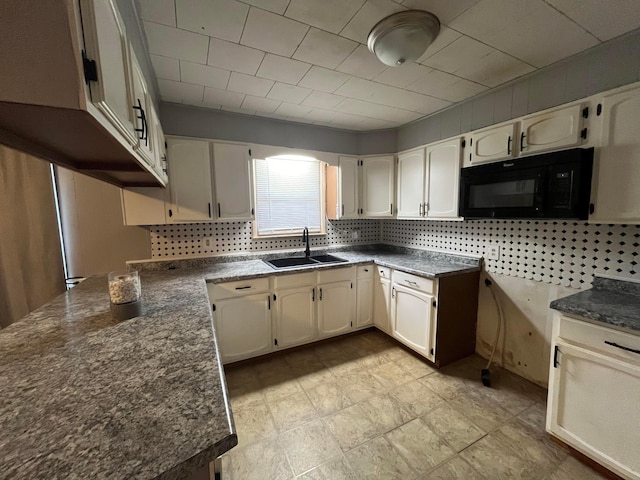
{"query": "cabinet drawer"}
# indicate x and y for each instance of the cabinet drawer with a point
(384, 272)
(365, 271)
(600, 338)
(336, 275)
(413, 281)
(295, 280)
(239, 288)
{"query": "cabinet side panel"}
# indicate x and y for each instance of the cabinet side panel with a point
(457, 317)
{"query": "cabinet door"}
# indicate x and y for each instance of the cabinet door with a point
(160, 146)
(551, 131)
(335, 308)
(295, 318)
(364, 301)
(143, 121)
(377, 186)
(106, 43)
(412, 319)
(492, 144)
(617, 161)
(243, 327)
(143, 206)
(382, 305)
(189, 181)
(232, 178)
(348, 180)
(593, 406)
(411, 184)
(443, 179)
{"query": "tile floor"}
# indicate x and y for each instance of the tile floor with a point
(363, 407)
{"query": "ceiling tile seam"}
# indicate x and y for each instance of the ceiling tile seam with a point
(349, 21)
(573, 21)
(244, 25)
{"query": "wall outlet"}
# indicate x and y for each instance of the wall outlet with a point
(493, 253)
(206, 242)
(355, 235)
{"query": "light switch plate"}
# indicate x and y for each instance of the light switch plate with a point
(493, 253)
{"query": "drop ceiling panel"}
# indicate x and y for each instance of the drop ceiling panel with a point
(621, 15)
(222, 19)
(232, 56)
(307, 60)
(272, 33)
(282, 69)
(324, 49)
(329, 15)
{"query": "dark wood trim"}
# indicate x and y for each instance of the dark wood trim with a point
(589, 462)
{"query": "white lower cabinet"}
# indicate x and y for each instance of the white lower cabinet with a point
(335, 308)
(594, 387)
(243, 326)
(295, 316)
(382, 299)
(364, 296)
(413, 318)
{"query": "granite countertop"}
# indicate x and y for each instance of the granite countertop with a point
(615, 303)
(83, 396)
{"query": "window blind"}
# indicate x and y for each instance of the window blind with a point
(288, 195)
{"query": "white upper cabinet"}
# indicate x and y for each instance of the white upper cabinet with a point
(411, 184)
(143, 117)
(551, 130)
(232, 177)
(190, 181)
(106, 43)
(443, 179)
(377, 186)
(160, 165)
(616, 180)
(492, 144)
(349, 192)
(144, 206)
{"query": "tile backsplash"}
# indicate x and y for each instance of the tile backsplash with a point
(559, 252)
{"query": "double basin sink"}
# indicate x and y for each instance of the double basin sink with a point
(288, 262)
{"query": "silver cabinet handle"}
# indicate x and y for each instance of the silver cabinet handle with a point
(420, 210)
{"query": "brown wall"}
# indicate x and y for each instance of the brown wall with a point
(96, 240)
(31, 270)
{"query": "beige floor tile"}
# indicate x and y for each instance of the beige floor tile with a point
(361, 385)
(245, 396)
(387, 412)
(446, 386)
(341, 367)
(454, 469)
(417, 398)
(253, 424)
(292, 411)
(280, 389)
(237, 376)
(311, 380)
(455, 428)
(336, 469)
(572, 469)
(485, 413)
(391, 374)
(377, 459)
(514, 394)
(351, 427)
(496, 460)
(272, 368)
(259, 461)
(420, 446)
(535, 417)
(308, 446)
(328, 398)
(415, 366)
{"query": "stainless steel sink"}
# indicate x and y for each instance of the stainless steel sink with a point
(327, 259)
(289, 262)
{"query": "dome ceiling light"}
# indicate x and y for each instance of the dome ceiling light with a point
(403, 37)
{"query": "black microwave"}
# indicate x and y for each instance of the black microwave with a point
(551, 185)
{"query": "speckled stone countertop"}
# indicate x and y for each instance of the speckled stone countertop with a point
(85, 397)
(612, 302)
(424, 263)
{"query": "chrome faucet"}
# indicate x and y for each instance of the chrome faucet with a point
(305, 238)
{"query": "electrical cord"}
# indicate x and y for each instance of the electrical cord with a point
(486, 374)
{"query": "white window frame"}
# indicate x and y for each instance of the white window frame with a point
(294, 232)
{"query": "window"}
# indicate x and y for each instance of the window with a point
(289, 196)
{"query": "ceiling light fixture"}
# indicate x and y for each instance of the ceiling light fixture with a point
(403, 37)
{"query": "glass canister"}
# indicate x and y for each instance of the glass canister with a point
(125, 294)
